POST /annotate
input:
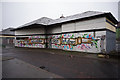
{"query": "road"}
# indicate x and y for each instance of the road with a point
(65, 66)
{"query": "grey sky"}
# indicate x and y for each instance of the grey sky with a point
(15, 14)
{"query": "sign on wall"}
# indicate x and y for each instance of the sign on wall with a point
(31, 41)
(86, 40)
(56, 41)
(79, 39)
(69, 41)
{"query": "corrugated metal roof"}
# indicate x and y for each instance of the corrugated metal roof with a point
(7, 31)
(49, 21)
(42, 21)
(74, 17)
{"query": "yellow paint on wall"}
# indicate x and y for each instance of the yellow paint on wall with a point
(110, 21)
(7, 36)
(110, 27)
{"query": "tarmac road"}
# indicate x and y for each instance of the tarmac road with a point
(65, 66)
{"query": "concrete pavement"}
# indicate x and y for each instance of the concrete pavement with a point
(15, 68)
(60, 63)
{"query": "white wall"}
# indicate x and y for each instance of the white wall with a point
(30, 31)
(99, 34)
(84, 47)
(68, 27)
(98, 23)
(54, 29)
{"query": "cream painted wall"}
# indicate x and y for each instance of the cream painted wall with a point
(98, 23)
(55, 29)
(30, 31)
(110, 27)
(68, 27)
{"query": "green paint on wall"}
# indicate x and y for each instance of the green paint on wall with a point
(117, 33)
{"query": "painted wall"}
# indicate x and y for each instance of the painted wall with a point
(92, 46)
(110, 36)
(68, 27)
(31, 41)
(98, 23)
(30, 31)
(54, 29)
(110, 41)
(54, 41)
(82, 41)
(118, 33)
(110, 27)
(94, 42)
(101, 35)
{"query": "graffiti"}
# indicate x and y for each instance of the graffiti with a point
(54, 36)
(89, 39)
(69, 41)
(31, 41)
(56, 45)
(89, 36)
(35, 41)
(34, 37)
(86, 41)
(95, 43)
(83, 46)
(71, 35)
(68, 47)
(56, 41)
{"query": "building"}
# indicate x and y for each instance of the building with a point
(118, 37)
(90, 31)
(7, 37)
(118, 32)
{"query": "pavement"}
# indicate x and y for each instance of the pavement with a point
(79, 65)
(15, 68)
(118, 46)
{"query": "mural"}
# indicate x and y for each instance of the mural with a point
(68, 47)
(54, 41)
(86, 41)
(71, 41)
(83, 46)
(70, 35)
(31, 41)
(58, 46)
(90, 40)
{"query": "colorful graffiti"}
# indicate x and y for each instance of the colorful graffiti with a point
(56, 46)
(71, 41)
(68, 35)
(89, 36)
(63, 41)
(56, 41)
(68, 47)
(83, 46)
(92, 40)
(31, 41)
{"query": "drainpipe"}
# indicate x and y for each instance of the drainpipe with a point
(46, 44)
(94, 33)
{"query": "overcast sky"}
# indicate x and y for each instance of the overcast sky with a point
(15, 14)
